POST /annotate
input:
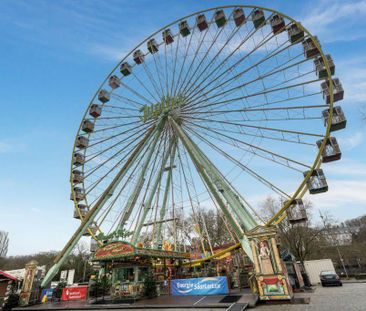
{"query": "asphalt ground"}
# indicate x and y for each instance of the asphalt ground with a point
(350, 297)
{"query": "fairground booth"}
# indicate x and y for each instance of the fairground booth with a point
(129, 266)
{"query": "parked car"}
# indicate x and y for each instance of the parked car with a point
(329, 278)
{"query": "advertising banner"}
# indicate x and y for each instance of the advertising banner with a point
(200, 286)
(63, 276)
(74, 293)
(70, 277)
(47, 292)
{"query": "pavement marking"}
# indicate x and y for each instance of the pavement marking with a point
(199, 300)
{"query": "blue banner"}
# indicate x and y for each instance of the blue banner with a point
(48, 292)
(200, 286)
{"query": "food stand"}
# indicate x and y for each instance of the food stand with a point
(128, 267)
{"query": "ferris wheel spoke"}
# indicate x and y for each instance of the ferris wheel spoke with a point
(102, 217)
(95, 184)
(126, 100)
(259, 78)
(297, 133)
(273, 71)
(152, 80)
(192, 83)
(263, 105)
(199, 217)
(143, 85)
(236, 142)
(213, 43)
(118, 108)
(115, 126)
(193, 209)
(222, 74)
(213, 112)
(157, 71)
(184, 61)
(101, 133)
(132, 138)
(250, 33)
(119, 117)
(267, 91)
(201, 41)
(261, 135)
(103, 140)
(132, 198)
(174, 60)
(251, 172)
(134, 92)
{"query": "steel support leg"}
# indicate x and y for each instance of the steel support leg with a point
(62, 256)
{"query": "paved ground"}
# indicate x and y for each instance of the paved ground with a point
(350, 297)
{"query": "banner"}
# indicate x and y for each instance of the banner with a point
(74, 293)
(70, 277)
(63, 276)
(200, 286)
(47, 292)
(30, 272)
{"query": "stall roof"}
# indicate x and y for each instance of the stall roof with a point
(4, 275)
(120, 250)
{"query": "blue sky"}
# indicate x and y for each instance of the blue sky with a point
(54, 55)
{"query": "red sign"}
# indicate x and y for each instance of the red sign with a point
(74, 293)
(114, 249)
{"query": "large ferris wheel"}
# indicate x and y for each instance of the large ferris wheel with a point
(211, 112)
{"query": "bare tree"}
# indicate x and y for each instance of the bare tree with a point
(4, 243)
(301, 240)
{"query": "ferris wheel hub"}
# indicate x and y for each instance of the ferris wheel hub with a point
(168, 105)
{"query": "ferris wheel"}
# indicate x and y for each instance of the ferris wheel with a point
(214, 111)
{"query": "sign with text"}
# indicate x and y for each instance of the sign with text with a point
(74, 293)
(200, 286)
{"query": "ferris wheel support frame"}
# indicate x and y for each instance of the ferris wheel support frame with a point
(159, 237)
(150, 199)
(136, 192)
(62, 256)
(211, 176)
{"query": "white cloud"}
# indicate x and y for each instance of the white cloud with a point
(8, 147)
(5, 147)
(107, 52)
(346, 168)
(337, 20)
(351, 141)
(35, 210)
(342, 193)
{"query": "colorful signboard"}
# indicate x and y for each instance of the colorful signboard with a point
(200, 286)
(30, 273)
(114, 250)
(117, 250)
(47, 292)
(74, 293)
